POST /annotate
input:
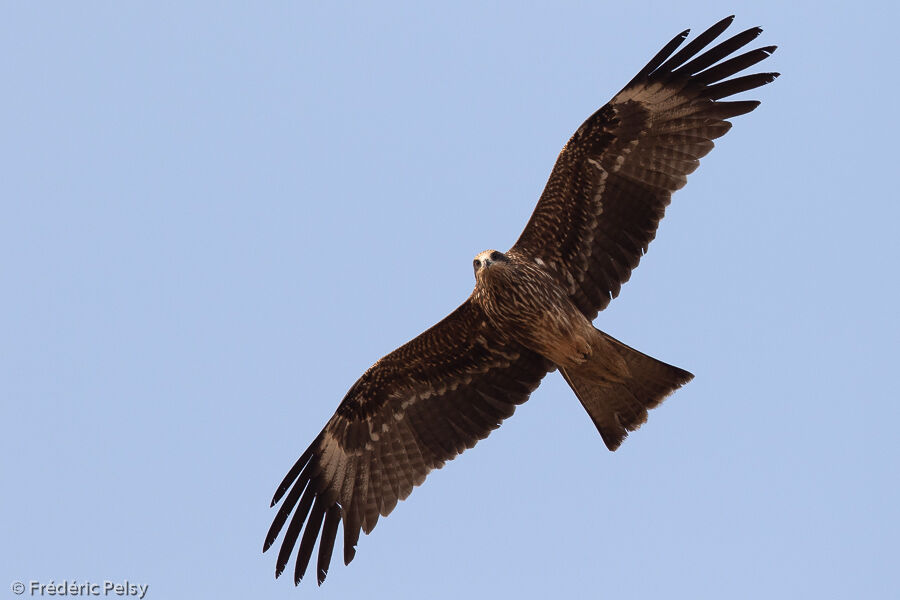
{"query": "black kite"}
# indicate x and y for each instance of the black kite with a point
(531, 310)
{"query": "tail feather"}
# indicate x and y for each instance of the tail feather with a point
(617, 407)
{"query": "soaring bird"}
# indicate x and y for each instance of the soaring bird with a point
(532, 308)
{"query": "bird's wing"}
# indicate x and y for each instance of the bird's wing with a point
(416, 408)
(615, 176)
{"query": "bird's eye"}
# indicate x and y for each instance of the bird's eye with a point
(496, 255)
(476, 263)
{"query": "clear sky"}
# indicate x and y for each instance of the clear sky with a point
(216, 217)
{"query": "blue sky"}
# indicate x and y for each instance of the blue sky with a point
(217, 216)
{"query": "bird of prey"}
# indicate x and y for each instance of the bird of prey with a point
(532, 308)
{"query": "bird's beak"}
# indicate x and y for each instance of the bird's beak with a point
(487, 262)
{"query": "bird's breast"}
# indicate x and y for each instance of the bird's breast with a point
(525, 303)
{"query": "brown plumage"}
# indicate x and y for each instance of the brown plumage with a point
(531, 310)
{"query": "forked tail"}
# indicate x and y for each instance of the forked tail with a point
(617, 407)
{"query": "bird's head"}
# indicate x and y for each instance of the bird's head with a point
(486, 260)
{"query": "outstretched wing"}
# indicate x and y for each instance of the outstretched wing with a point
(416, 408)
(614, 178)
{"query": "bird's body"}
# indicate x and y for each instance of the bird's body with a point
(523, 302)
(531, 311)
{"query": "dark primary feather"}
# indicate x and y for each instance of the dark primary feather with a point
(614, 178)
(425, 403)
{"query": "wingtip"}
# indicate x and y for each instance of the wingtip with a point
(721, 25)
(726, 21)
(279, 494)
